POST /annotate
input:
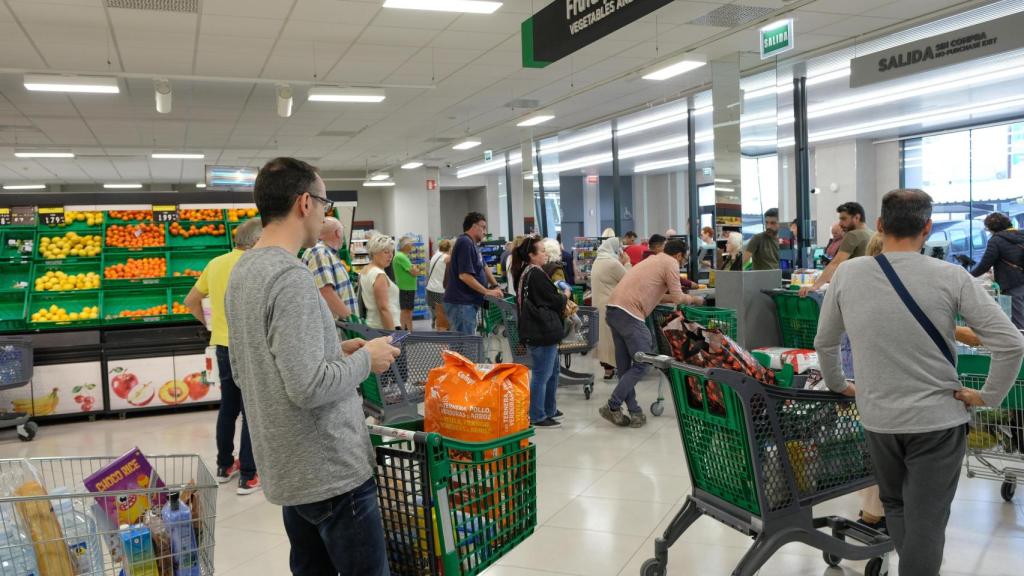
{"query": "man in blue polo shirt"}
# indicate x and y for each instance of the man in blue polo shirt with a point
(468, 278)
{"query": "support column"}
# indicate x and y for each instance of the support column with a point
(692, 192)
(803, 172)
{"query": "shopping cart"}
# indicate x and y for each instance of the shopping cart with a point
(760, 457)
(16, 371)
(88, 536)
(395, 395)
(798, 317)
(452, 507)
(996, 442)
(577, 344)
(490, 328)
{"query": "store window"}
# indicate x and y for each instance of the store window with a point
(574, 167)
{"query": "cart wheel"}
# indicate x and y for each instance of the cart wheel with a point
(587, 390)
(652, 567)
(1007, 490)
(874, 568)
(833, 560)
(27, 431)
(657, 408)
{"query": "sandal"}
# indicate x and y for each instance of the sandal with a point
(609, 373)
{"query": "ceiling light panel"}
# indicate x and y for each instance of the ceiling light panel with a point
(535, 120)
(177, 156)
(411, 165)
(78, 84)
(338, 94)
(122, 186)
(43, 154)
(664, 72)
(463, 6)
(466, 145)
(24, 186)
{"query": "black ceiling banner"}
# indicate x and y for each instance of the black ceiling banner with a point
(565, 26)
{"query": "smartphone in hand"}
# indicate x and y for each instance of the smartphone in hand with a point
(397, 337)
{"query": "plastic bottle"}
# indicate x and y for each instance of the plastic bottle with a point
(80, 534)
(17, 556)
(178, 522)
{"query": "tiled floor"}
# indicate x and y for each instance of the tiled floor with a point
(604, 494)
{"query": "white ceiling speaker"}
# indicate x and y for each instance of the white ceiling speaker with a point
(284, 100)
(162, 89)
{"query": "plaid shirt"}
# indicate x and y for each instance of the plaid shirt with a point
(328, 270)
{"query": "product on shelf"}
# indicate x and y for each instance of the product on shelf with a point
(23, 247)
(137, 268)
(142, 312)
(131, 214)
(90, 218)
(206, 230)
(189, 272)
(57, 314)
(58, 281)
(199, 215)
(70, 244)
(179, 308)
(135, 235)
(239, 214)
(132, 471)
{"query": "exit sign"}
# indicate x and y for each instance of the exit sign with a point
(776, 38)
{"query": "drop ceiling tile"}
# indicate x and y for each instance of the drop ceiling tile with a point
(309, 31)
(848, 7)
(414, 19)
(215, 24)
(400, 36)
(684, 12)
(499, 22)
(354, 72)
(31, 13)
(66, 131)
(458, 39)
(326, 54)
(274, 9)
(353, 13)
(855, 26)
(907, 9)
(157, 57)
(361, 52)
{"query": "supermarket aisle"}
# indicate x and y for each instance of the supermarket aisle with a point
(604, 493)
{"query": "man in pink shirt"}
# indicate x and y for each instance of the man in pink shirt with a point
(649, 283)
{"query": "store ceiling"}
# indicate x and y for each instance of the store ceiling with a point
(472, 62)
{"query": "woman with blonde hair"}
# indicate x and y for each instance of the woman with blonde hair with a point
(378, 291)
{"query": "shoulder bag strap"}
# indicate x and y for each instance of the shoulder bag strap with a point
(915, 310)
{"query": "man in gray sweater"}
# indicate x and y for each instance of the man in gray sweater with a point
(300, 385)
(911, 404)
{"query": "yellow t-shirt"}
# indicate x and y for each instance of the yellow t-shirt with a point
(213, 283)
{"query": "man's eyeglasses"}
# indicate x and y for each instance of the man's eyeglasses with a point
(328, 204)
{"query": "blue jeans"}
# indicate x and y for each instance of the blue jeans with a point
(342, 535)
(543, 382)
(230, 408)
(629, 336)
(461, 317)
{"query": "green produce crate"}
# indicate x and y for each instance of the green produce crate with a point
(108, 219)
(227, 217)
(12, 273)
(70, 301)
(19, 237)
(108, 223)
(202, 241)
(178, 294)
(59, 234)
(116, 301)
(179, 261)
(973, 370)
(41, 268)
(711, 317)
(219, 219)
(77, 226)
(114, 258)
(452, 507)
(12, 310)
(798, 318)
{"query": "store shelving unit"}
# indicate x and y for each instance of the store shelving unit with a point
(491, 251)
(584, 252)
(419, 258)
(360, 257)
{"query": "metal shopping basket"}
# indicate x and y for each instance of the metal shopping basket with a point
(394, 395)
(16, 363)
(87, 536)
(760, 457)
(490, 328)
(580, 344)
(798, 317)
(452, 507)
(996, 442)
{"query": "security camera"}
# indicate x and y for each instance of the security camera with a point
(449, 165)
(815, 190)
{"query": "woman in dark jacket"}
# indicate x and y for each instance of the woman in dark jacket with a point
(540, 306)
(1005, 252)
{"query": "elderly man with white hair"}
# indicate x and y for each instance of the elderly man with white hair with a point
(329, 272)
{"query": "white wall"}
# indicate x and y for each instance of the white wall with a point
(850, 167)
(887, 168)
(371, 205)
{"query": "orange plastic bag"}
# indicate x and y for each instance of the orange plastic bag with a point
(476, 403)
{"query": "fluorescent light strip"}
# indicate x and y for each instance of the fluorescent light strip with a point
(464, 6)
(786, 88)
(675, 69)
(176, 156)
(24, 186)
(122, 186)
(77, 84)
(380, 176)
(378, 183)
(42, 154)
(411, 165)
(466, 145)
(201, 185)
(671, 163)
(535, 120)
(339, 94)
(577, 142)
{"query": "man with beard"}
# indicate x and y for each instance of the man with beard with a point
(763, 249)
(856, 236)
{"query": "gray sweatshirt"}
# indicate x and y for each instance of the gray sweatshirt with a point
(904, 383)
(301, 397)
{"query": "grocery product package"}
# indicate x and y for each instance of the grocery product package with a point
(129, 472)
(38, 521)
(476, 402)
(801, 359)
(695, 344)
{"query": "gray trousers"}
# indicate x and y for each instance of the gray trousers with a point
(629, 336)
(917, 478)
(1017, 306)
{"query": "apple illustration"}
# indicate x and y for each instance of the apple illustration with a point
(141, 395)
(198, 387)
(122, 382)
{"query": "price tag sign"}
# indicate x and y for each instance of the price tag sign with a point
(5, 216)
(165, 213)
(23, 216)
(51, 216)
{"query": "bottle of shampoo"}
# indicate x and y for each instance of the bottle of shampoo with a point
(178, 523)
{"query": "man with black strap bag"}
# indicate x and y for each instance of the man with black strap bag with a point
(1005, 253)
(912, 406)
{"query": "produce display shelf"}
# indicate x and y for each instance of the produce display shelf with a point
(108, 224)
(114, 258)
(183, 213)
(194, 260)
(13, 305)
(13, 274)
(70, 301)
(12, 241)
(70, 268)
(58, 234)
(114, 302)
(200, 241)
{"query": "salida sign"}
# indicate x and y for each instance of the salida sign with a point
(565, 26)
(954, 47)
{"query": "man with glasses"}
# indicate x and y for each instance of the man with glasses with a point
(468, 279)
(330, 274)
(300, 385)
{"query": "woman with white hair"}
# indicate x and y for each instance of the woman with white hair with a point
(605, 274)
(733, 257)
(378, 292)
(554, 268)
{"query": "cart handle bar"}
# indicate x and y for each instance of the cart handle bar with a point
(408, 435)
(662, 362)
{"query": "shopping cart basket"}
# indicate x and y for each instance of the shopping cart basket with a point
(95, 537)
(452, 507)
(490, 328)
(16, 371)
(760, 457)
(996, 443)
(579, 344)
(394, 395)
(798, 317)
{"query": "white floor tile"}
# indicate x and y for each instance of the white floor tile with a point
(567, 551)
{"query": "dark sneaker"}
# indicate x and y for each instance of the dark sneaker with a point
(637, 419)
(549, 423)
(614, 416)
(249, 486)
(558, 415)
(226, 474)
(880, 525)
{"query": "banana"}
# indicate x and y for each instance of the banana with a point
(42, 407)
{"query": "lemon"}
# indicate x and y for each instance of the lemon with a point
(73, 316)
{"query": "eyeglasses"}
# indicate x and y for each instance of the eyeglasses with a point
(328, 204)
